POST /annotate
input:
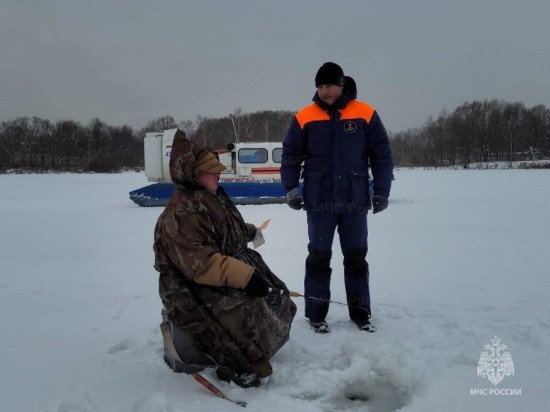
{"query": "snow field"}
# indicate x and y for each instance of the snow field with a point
(458, 258)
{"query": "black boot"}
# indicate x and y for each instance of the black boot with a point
(366, 325)
(319, 327)
(244, 380)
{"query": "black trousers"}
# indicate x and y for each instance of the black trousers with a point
(352, 232)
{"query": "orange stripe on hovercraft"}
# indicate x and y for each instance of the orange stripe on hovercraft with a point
(265, 170)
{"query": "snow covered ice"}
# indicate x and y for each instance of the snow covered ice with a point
(459, 257)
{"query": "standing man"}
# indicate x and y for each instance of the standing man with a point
(335, 139)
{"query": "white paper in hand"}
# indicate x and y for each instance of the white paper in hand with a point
(258, 239)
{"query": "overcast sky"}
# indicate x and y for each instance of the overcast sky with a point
(129, 62)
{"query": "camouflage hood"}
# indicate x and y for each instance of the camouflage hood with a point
(183, 159)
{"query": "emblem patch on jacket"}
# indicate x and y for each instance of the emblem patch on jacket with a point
(350, 127)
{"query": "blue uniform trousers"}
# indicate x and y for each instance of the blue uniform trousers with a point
(352, 231)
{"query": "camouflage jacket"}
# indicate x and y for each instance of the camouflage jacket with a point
(202, 256)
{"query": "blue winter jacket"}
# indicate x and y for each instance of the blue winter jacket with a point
(336, 145)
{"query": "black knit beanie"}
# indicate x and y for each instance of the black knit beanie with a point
(330, 73)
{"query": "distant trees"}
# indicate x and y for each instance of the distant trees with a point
(162, 123)
(488, 131)
(264, 126)
(34, 144)
(37, 144)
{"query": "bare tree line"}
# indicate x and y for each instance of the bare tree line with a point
(487, 131)
(35, 144)
(264, 126)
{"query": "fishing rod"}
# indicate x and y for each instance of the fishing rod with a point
(299, 295)
(210, 386)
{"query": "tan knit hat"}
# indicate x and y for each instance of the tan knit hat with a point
(208, 163)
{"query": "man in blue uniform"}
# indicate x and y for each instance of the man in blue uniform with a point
(332, 143)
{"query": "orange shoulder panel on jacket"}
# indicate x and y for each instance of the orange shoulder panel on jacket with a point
(358, 110)
(311, 113)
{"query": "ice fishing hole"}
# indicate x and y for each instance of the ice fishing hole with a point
(374, 395)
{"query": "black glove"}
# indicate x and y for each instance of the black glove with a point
(379, 203)
(256, 287)
(294, 199)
